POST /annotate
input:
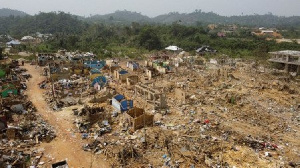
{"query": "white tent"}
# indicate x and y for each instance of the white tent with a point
(173, 48)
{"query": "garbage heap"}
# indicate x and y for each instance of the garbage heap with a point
(21, 128)
(66, 92)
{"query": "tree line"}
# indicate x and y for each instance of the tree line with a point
(73, 33)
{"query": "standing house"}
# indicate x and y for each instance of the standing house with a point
(121, 104)
(138, 118)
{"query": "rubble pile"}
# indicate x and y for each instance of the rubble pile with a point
(21, 128)
(172, 112)
(214, 113)
(67, 92)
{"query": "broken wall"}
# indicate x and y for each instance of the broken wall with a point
(180, 95)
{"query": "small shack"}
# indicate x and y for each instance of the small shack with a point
(121, 104)
(99, 82)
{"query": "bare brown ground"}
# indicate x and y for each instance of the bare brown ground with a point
(68, 143)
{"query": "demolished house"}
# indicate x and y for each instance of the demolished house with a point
(138, 118)
(45, 58)
(288, 58)
(153, 96)
(205, 49)
(121, 75)
(21, 128)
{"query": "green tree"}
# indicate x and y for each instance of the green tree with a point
(1, 54)
(149, 39)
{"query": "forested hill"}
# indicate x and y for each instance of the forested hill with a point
(60, 22)
(43, 22)
(4, 12)
(123, 17)
(199, 17)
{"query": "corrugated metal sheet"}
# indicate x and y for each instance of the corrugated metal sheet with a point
(121, 104)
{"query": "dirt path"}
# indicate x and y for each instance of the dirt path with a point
(68, 143)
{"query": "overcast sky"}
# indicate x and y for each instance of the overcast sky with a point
(156, 7)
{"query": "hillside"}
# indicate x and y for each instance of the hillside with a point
(267, 20)
(4, 12)
(123, 17)
(197, 17)
(43, 22)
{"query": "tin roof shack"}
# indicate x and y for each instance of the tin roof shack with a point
(121, 75)
(45, 58)
(138, 118)
(121, 104)
(290, 59)
(133, 65)
(99, 82)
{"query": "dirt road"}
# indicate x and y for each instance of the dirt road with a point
(68, 143)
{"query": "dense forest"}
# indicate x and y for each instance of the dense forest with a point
(198, 18)
(194, 18)
(135, 37)
(4, 12)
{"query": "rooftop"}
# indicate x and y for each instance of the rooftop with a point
(286, 52)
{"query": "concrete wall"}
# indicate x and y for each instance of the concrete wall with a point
(180, 95)
(138, 118)
(132, 80)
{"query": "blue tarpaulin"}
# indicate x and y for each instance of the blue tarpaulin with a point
(121, 104)
(101, 80)
(95, 71)
(122, 72)
(119, 97)
(95, 64)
